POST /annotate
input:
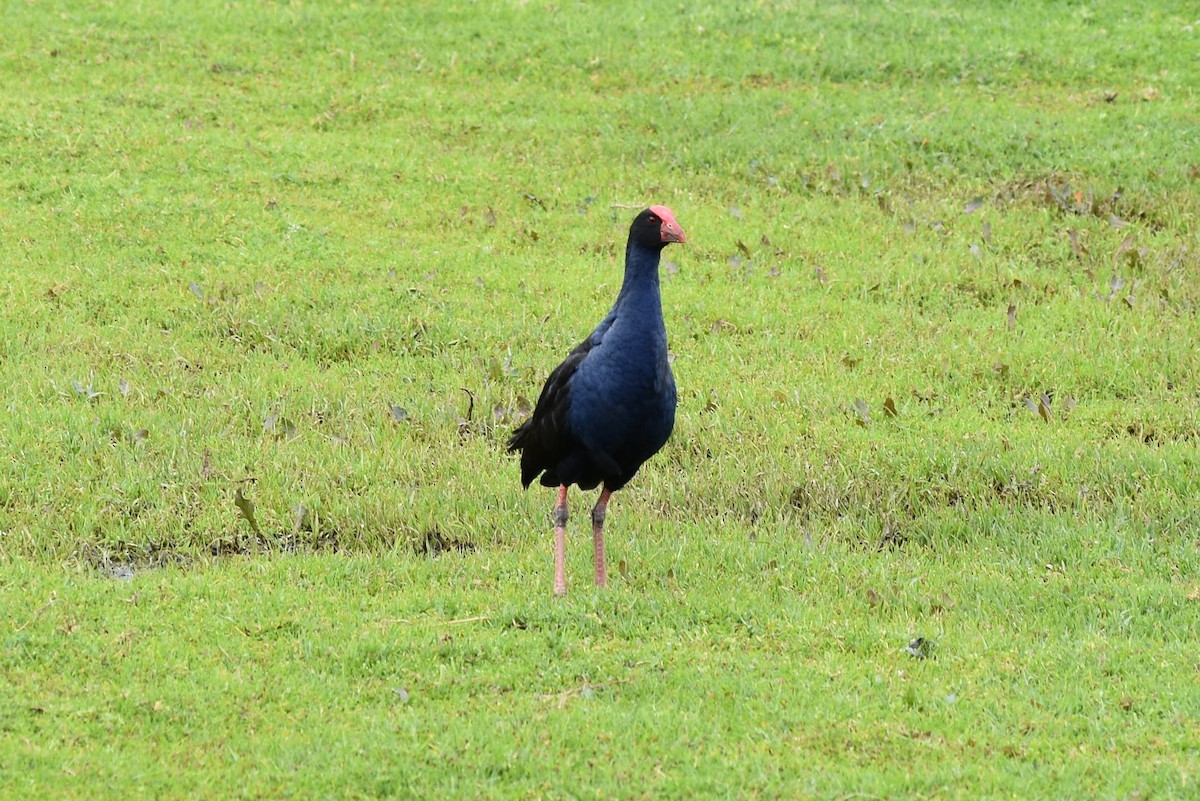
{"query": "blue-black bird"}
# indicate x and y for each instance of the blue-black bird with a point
(610, 405)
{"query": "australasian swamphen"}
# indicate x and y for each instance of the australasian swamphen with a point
(611, 405)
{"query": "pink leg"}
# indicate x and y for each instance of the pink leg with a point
(560, 542)
(598, 537)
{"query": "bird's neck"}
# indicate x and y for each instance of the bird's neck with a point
(641, 277)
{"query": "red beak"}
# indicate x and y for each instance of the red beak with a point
(670, 230)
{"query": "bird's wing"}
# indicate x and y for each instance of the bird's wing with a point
(597, 336)
(545, 438)
(554, 400)
(555, 395)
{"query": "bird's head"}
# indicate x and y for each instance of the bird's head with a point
(656, 228)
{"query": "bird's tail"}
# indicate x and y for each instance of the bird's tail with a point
(520, 437)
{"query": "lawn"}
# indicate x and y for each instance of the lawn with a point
(280, 278)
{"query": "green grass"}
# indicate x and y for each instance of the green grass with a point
(236, 235)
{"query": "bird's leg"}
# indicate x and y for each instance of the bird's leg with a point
(560, 542)
(598, 536)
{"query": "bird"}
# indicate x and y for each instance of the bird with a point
(610, 405)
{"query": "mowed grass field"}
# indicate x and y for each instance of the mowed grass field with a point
(278, 279)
